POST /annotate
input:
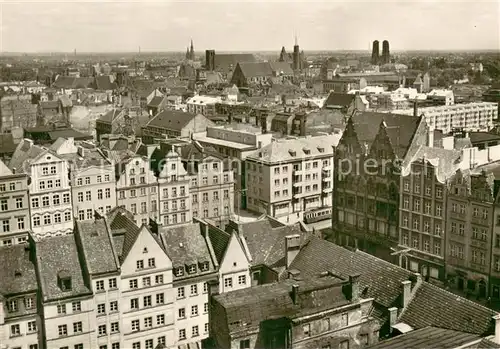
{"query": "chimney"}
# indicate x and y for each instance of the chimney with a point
(406, 285)
(415, 108)
(393, 317)
(354, 281)
(292, 248)
(259, 144)
(431, 138)
(496, 338)
(80, 151)
(295, 294)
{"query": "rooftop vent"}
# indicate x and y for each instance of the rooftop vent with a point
(18, 273)
(181, 244)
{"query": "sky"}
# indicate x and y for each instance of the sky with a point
(107, 26)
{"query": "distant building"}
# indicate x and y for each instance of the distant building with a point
(204, 105)
(375, 53)
(386, 56)
(443, 97)
(225, 63)
(246, 74)
(17, 111)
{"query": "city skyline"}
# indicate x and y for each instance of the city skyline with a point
(228, 26)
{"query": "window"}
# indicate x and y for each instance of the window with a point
(182, 313)
(90, 213)
(41, 185)
(32, 326)
(29, 303)
(99, 194)
(101, 308)
(113, 306)
(205, 287)
(146, 281)
(151, 263)
(194, 290)
(161, 340)
(62, 330)
(159, 279)
(67, 216)
(228, 282)
(149, 344)
(147, 301)
(182, 334)
(19, 202)
(245, 344)
(345, 320)
(6, 226)
(58, 183)
(115, 327)
(192, 269)
(77, 327)
(242, 280)
(344, 344)
(135, 325)
(180, 292)
(148, 322)
(61, 308)
(34, 203)
(66, 198)
(140, 264)
(112, 283)
(205, 308)
(77, 306)
(134, 303)
(15, 330)
(45, 201)
(99, 285)
(194, 310)
(136, 345)
(195, 331)
(57, 218)
(36, 221)
(306, 330)
(160, 298)
(107, 193)
(80, 197)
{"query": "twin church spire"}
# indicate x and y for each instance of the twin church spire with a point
(190, 52)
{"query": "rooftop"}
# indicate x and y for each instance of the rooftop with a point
(18, 271)
(171, 120)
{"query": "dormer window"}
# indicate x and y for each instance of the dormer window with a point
(321, 149)
(204, 266)
(12, 305)
(306, 151)
(179, 271)
(192, 269)
(292, 152)
(64, 280)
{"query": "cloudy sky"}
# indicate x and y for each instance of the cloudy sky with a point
(103, 26)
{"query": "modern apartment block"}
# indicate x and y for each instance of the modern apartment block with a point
(14, 207)
(174, 192)
(93, 186)
(137, 188)
(236, 141)
(289, 177)
(476, 116)
(49, 189)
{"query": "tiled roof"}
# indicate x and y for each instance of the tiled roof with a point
(400, 128)
(69, 133)
(17, 273)
(155, 101)
(219, 240)
(478, 137)
(49, 104)
(281, 67)
(246, 308)
(266, 241)
(335, 99)
(59, 256)
(185, 245)
(434, 306)
(288, 149)
(97, 246)
(444, 160)
(430, 306)
(4, 170)
(121, 223)
(103, 83)
(25, 152)
(226, 62)
(256, 69)
(428, 337)
(171, 120)
(110, 116)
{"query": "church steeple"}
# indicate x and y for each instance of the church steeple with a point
(191, 52)
(187, 53)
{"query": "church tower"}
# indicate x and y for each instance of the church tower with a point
(191, 51)
(296, 55)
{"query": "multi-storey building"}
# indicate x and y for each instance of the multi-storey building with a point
(204, 105)
(173, 192)
(477, 116)
(95, 245)
(20, 324)
(212, 183)
(367, 179)
(494, 279)
(424, 211)
(14, 207)
(193, 269)
(147, 296)
(67, 302)
(137, 188)
(287, 178)
(275, 316)
(174, 123)
(93, 186)
(49, 188)
(469, 238)
(236, 142)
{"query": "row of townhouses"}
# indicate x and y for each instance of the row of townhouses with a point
(44, 189)
(428, 204)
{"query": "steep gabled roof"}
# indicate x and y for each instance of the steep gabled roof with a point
(17, 274)
(339, 100)
(171, 120)
(225, 62)
(219, 240)
(25, 152)
(122, 224)
(256, 69)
